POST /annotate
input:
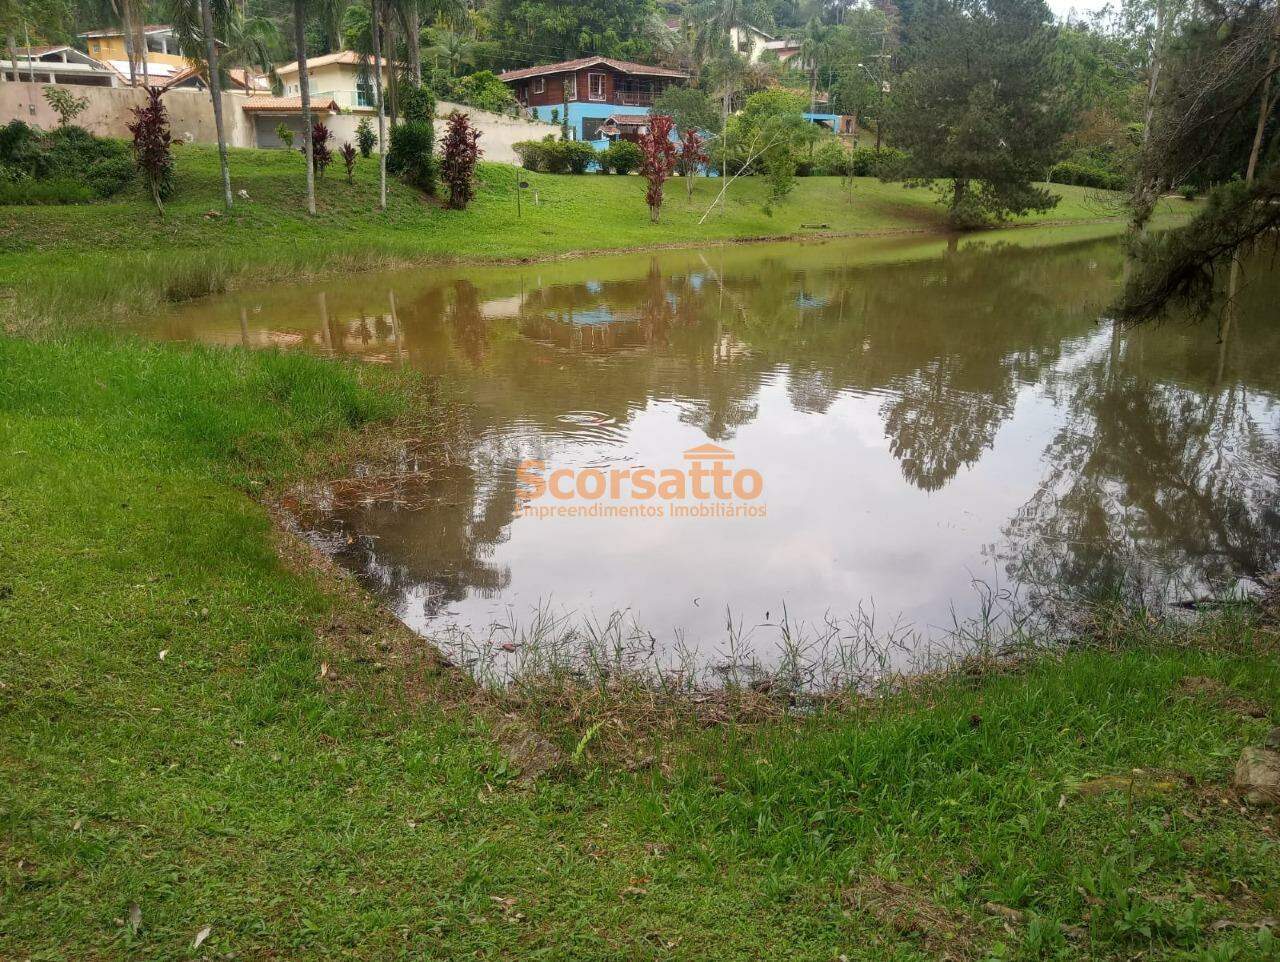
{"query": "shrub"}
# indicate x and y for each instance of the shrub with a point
(532, 153)
(1083, 175)
(1189, 191)
(65, 104)
(867, 162)
(285, 133)
(152, 146)
(108, 176)
(832, 159)
(22, 148)
(578, 155)
(348, 155)
(482, 90)
(55, 190)
(321, 155)
(366, 139)
(411, 153)
(659, 161)
(621, 157)
(458, 164)
(67, 155)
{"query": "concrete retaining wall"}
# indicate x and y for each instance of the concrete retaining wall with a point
(191, 117)
(108, 113)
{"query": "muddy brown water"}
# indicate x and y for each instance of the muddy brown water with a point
(890, 423)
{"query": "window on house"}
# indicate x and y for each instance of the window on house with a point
(539, 85)
(571, 86)
(364, 92)
(595, 86)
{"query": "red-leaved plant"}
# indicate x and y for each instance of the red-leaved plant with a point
(458, 160)
(659, 161)
(348, 154)
(152, 150)
(320, 153)
(692, 156)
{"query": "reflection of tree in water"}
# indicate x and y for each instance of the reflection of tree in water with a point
(948, 341)
(466, 321)
(935, 430)
(1152, 487)
(443, 544)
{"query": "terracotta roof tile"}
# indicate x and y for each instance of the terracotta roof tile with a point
(286, 104)
(623, 66)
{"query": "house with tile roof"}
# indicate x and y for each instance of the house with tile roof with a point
(589, 91)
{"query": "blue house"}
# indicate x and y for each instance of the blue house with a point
(590, 91)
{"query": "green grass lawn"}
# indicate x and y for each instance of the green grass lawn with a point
(118, 256)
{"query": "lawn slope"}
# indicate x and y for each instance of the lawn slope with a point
(115, 257)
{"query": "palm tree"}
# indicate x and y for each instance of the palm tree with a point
(813, 47)
(376, 30)
(410, 19)
(250, 44)
(456, 50)
(304, 95)
(193, 25)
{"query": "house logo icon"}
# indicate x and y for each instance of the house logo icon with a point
(708, 452)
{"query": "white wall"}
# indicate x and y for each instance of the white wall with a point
(497, 131)
(191, 117)
(108, 113)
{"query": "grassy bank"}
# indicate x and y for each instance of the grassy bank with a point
(119, 256)
(190, 726)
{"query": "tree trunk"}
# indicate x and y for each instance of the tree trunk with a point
(414, 41)
(1264, 107)
(130, 38)
(304, 92)
(393, 81)
(382, 114)
(215, 94)
(12, 43)
(140, 44)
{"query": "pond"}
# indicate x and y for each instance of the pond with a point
(729, 449)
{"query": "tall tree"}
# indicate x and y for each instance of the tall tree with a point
(304, 95)
(1212, 120)
(193, 23)
(376, 31)
(982, 106)
(251, 44)
(215, 94)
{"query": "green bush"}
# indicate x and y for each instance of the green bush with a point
(532, 153)
(551, 156)
(832, 159)
(482, 90)
(621, 157)
(578, 155)
(54, 190)
(1082, 175)
(867, 162)
(68, 155)
(110, 175)
(22, 148)
(411, 153)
